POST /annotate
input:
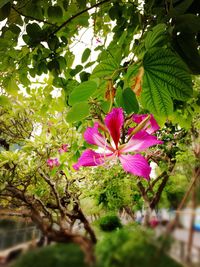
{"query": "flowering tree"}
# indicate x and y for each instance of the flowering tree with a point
(136, 71)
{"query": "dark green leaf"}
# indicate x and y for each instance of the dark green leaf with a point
(181, 8)
(33, 30)
(55, 12)
(156, 36)
(84, 76)
(53, 42)
(53, 65)
(115, 12)
(78, 68)
(3, 2)
(5, 10)
(78, 112)
(15, 29)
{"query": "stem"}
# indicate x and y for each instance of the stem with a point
(32, 18)
(78, 14)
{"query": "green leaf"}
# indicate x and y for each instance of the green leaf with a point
(3, 2)
(127, 100)
(156, 36)
(155, 99)
(132, 71)
(4, 101)
(118, 98)
(115, 12)
(11, 85)
(53, 42)
(53, 65)
(78, 112)
(78, 68)
(181, 8)
(33, 30)
(5, 10)
(82, 92)
(130, 101)
(165, 78)
(55, 12)
(85, 55)
(105, 105)
(106, 68)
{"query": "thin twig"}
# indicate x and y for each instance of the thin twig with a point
(77, 15)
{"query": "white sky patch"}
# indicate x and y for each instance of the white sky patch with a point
(37, 130)
(153, 166)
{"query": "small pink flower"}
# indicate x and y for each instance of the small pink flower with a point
(53, 163)
(113, 148)
(63, 148)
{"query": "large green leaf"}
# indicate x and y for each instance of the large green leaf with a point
(165, 78)
(106, 68)
(130, 101)
(156, 36)
(155, 99)
(78, 112)
(82, 92)
(127, 100)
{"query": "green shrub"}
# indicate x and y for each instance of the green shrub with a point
(109, 223)
(131, 248)
(59, 255)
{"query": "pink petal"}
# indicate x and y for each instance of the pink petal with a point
(140, 141)
(151, 125)
(90, 158)
(135, 164)
(63, 148)
(53, 162)
(93, 137)
(114, 122)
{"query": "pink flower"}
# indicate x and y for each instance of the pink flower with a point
(53, 163)
(113, 149)
(151, 126)
(63, 148)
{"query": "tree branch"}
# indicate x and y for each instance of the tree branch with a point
(32, 18)
(52, 186)
(78, 14)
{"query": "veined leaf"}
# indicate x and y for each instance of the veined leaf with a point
(106, 68)
(82, 92)
(165, 78)
(78, 112)
(156, 36)
(132, 71)
(155, 99)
